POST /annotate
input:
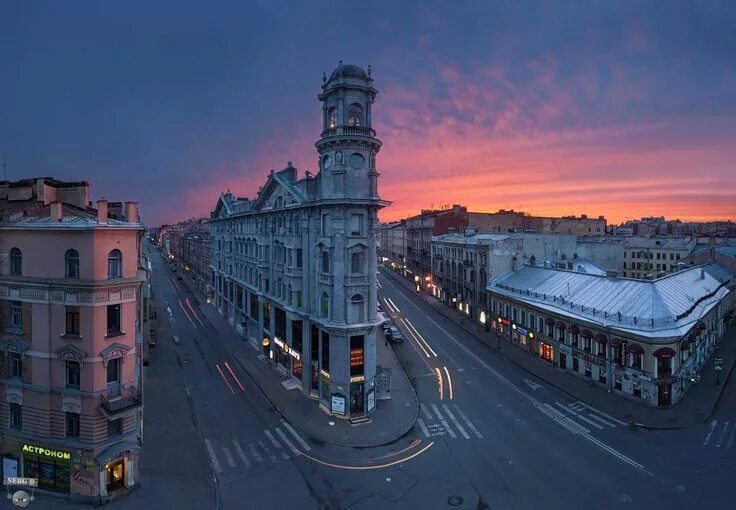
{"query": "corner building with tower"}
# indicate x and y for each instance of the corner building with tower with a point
(294, 269)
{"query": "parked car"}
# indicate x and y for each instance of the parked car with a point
(394, 335)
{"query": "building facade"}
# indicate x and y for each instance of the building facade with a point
(71, 315)
(294, 269)
(645, 340)
(650, 257)
(392, 243)
(196, 258)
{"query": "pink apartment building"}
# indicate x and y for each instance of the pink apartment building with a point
(71, 311)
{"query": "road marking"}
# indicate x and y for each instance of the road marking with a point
(419, 335)
(213, 458)
(194, 313)
(449, 381)
(605, 422)
(234, 377)
(394, 305)
(570, 424)
(229, 457)
(443, 421)
(440, 384)
(411, 336)
(536, 403)
(241, 453)
(276, 444)
(425, 431)
(378, 284)
(224, 379)
(254, 452)
(533, 385)
(268, 452)
(601, 413)
(730, 439)
(455, 422)
(425, 410)
(288, 443)
(296, 436)
(185, 313)
(710, 433)
(468, 422)
(388, 305)
(580, 416)
(723, 434)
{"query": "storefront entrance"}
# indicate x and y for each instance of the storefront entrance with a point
(115, 475)
(546, 351)
(665, 395)
(356, 399)
(52, 474)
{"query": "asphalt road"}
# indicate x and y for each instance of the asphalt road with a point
(490, 435)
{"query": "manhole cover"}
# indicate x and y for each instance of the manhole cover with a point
(455, 500)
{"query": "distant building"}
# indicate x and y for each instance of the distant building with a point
(72, 310)
(419, 232)
(196, 258)
(651, 257)
(392, 242)
(645, 340)
(295, 268)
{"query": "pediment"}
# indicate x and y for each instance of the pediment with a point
(13, 343)
(114, 351)
(278, 193)
(71, 353)
(222, 209)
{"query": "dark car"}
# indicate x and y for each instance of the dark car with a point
(394, 335)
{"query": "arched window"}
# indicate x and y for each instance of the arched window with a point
(332, 118)
(356, 314)
(533, 260)
(71, 264)
(324, 308)
(114, 264)
(16, 262)
(355, 115)
(483, 280)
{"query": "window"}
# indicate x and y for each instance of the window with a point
(16, 416)
(16, 314)
(298, 257)
(72, 425)
(298, 298)
(324, 305)
(325, 351)
(325, 223)
(356, 263)
(115, 427)
(16, 365)
(72, 321)
(73, 374)
(356, 224)
(332, 118)
(71, 264)
(636, 360)
(16, 262)
(356, 309)
(325, 262)
(114, 264)
(355, 115)
(113, 370)
(113, 320)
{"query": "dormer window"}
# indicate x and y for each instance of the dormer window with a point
(355, 115)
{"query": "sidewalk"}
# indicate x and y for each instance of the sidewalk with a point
(695, 407)
(391, 420)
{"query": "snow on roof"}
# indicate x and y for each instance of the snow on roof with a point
(665, 307)
(478, 238)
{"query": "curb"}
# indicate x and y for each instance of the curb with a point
(528, 370)
(284, 415)
(720, 392)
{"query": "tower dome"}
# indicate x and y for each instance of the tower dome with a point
(349, 70)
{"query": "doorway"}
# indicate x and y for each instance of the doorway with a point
(115, 475)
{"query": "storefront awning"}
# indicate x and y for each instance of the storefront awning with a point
(574, 329)
(561, 325)
(664, 352)
(114, 451)
(636, 349)
(601, 338)
(549, 321)
(586, 333)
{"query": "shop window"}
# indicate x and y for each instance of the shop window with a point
(52, 474)
(73, 374)
(16, 365)
(72, 425)
(72, 321)
(16, 417)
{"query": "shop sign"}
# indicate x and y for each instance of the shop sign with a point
(505, 321)
(284, 347)
(371, 400)
(338, 403)
(357, 378)
(521, 330)
(46, 452)
(324, 373)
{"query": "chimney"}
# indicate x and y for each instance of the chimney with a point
(57, 211)
(702, 274)
(131, 212)
(102, 212)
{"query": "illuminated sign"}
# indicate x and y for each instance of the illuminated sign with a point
(357, 378)
(284, 347)
(39, 450)
(324, 373)
(356, 357)
(521, 330)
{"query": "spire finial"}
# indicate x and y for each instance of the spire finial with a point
(288, 164)
(369, 70)
(324, 77)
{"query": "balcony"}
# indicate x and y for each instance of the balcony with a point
(116, 404)
(348, 130)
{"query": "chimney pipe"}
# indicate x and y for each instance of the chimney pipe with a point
(102, 212)
(131, 212)
(57, 211)
(702, 274)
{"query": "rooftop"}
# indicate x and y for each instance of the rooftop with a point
(662, 243)
(478, 238)
(666, 307)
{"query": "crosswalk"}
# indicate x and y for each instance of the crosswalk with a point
(586, 418)
(720, 435)
(278, 445)
(442, 419)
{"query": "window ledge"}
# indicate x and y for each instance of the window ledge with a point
(15, 330)
(71, 336)
(114, 334)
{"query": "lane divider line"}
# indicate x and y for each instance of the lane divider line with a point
(394, 304)
(408, 322)
(411, 336)
(219, 370)
(185, 313)
(234, 377)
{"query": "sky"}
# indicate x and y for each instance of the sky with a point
(624, 109)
